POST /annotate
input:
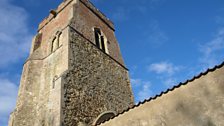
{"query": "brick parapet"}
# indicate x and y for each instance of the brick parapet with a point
(98, 13)
(60, 8)
(87, 3)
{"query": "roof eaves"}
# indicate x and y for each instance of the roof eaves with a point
(168, 90)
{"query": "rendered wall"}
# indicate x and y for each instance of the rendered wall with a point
(199, 103)
(94, 84)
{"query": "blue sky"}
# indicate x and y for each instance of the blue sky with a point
(163, 42)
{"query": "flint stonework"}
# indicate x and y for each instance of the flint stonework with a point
(95, 83)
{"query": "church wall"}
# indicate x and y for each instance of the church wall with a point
(49, 107)
(51, 25)
(199, 103)
(94, 83)
(85, 20)
(52, 77)
(39, 98)
(28, 94)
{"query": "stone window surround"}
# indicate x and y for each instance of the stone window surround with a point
(106, 42)
(72, 28)
(56, 38)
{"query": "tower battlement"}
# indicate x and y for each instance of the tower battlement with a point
(54, 13)
(82, 16)
(75, 72)
(65, 3)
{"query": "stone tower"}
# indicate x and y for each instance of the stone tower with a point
(75, 71)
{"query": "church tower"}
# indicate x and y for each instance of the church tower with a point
(75, 74)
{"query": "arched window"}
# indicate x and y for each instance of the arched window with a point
(105, 116)
(57, 41)
(100, 40)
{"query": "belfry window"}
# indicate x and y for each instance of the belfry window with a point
(57, 41)
(100, 40)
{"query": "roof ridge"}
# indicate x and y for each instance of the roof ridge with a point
(169, 90)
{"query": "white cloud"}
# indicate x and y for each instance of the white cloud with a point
(15, 41)
(169, 82)
(213, 51)
(143, 89)
(15, 38)
(8, 94)
(136, 82)
(164, 68)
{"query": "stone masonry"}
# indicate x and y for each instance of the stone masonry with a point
(75, 76)
(67, 80)
(94, 84)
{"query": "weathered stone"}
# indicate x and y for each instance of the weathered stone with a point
(99, 83)
(73, 78)
(67, 80)
(199, 103)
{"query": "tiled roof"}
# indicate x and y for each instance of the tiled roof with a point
(169, 90)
